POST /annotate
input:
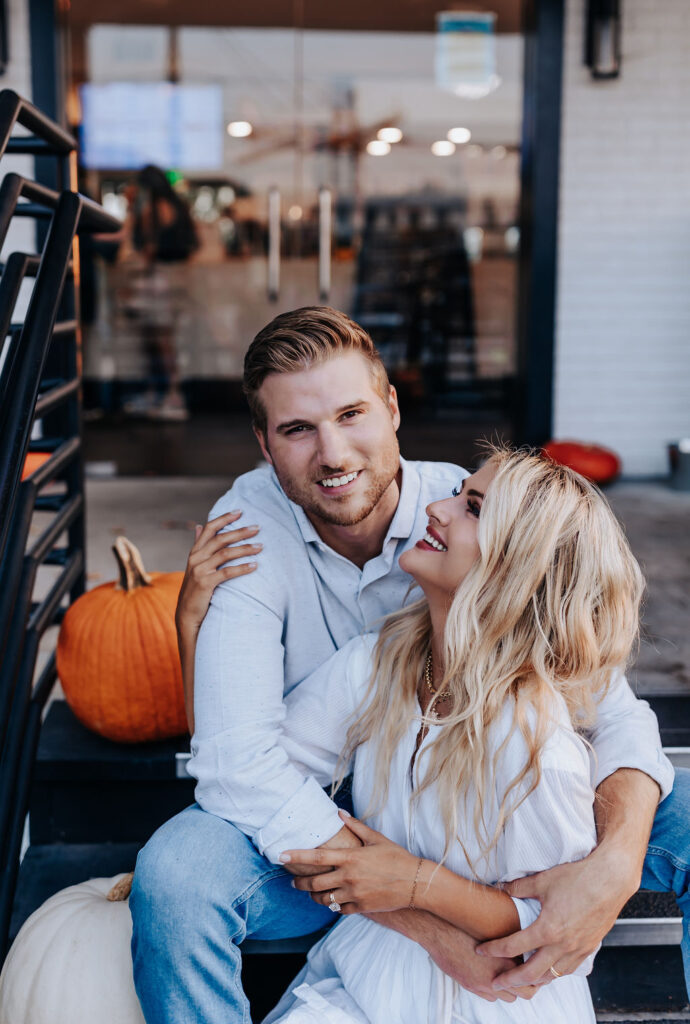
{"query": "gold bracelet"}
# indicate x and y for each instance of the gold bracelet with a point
(411, 905)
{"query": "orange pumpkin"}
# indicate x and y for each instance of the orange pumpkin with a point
(34, 461)
(117, 654)
(600, 465)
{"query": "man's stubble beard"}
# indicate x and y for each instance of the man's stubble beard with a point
(379, 483)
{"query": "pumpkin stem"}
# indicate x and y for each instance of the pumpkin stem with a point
(122, 888)
(132, 571)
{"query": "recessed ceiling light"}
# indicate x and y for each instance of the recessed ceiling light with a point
(378, 148)
(459, 135)
(442, 147)
(389, 134)
(239, 129)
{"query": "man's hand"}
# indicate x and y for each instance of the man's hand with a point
(454, 952)
(343, 840)
(580, 903)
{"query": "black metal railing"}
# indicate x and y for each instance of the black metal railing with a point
(39, 384)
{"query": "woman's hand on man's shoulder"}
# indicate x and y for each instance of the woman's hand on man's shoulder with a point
(213, 559)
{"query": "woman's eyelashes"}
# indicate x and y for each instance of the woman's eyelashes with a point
(473, 505)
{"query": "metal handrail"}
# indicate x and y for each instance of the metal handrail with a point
(39, 381)
(14, 109)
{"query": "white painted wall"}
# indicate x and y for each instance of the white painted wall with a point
(623, 311)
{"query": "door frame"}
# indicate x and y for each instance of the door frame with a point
(539, 195)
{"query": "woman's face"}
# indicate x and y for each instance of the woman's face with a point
(440, 561)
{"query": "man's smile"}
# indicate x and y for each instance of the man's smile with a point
(338, 483)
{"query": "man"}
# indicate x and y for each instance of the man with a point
(336, 508)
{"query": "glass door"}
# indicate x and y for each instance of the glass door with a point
(373, 171)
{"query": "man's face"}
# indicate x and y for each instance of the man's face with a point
(331, 438)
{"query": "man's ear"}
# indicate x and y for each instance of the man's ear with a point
(261, 438)
(393, 406)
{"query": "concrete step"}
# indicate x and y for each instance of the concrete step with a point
(648, 919)
(642, 1018)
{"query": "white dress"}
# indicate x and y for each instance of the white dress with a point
(363, 973)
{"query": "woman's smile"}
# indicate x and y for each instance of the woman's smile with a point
(431, 541)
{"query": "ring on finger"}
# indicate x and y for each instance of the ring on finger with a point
(333, 903)
(554, 972)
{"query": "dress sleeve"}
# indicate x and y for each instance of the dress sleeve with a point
(321, 708)
(554, 824)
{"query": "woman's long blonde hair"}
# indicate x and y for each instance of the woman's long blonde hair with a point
(551, 604)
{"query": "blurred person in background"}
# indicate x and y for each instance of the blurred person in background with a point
(163, 233)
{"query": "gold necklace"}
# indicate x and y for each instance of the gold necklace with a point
(428, 679)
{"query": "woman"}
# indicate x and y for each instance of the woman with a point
(462, 744)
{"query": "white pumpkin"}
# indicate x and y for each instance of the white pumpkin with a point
(72, 962)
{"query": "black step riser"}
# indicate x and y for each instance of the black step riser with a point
(632, 979)
(673, 713)
(87, 789)
(100, 812)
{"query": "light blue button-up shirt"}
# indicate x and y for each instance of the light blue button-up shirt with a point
(267, 631)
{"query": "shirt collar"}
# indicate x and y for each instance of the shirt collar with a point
(403, 520)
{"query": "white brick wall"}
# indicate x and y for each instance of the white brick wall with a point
(622, 368)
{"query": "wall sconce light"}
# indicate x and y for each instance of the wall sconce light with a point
(603, 41)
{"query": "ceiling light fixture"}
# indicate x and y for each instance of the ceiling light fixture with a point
(239, 129)
(442, 147)
(389, 134)
(459, 135)
(378, 148)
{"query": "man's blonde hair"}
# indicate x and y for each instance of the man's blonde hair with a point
(302, 338)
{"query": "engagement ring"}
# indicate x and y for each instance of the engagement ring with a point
(333, 905)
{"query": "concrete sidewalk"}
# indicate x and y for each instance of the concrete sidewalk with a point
(158, 514)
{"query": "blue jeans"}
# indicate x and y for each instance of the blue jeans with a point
(200, 888)
(667, 864)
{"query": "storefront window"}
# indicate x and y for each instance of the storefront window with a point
(318, 167)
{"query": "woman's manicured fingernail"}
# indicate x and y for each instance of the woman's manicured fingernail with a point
(284, 858)
(235, 512)
(344, 813)
(253, 565)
